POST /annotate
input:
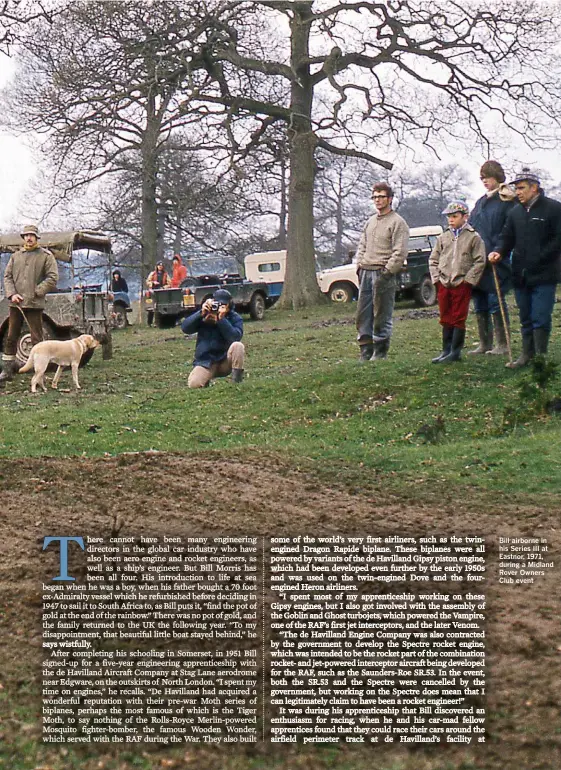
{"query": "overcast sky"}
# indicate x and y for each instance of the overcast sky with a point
(16, 164)
(17, 167)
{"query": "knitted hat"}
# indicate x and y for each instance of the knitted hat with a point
(491, 168)
(526, 176)
(456, 207)
(30, 230)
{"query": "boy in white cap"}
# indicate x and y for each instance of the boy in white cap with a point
(30, 273)
(456, 264)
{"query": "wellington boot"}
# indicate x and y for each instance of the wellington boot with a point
(447, 334)
(381, 349)
(366, 352)
(485, 334)
(10, 367)
(501, 345)
(541, 340)
(455, 354)
(528, 352)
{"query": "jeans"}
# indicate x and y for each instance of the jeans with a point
(376, 299)
(535, 306)
(487, 302)
(200, 376)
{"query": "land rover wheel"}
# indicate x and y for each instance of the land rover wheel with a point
(164, 321)
(24, 345)
(257, 307)
(341, 292)
(425, 292)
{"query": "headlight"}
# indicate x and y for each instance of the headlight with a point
(404, 279)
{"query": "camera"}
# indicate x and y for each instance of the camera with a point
(214, 306)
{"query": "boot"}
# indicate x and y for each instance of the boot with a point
(381, 349)
(366, 351)
(458, 339)
(528, 352)
(447, 333)
(485, 334)
(237, 375)
(501, 344)
(541, 339)
(10, 368)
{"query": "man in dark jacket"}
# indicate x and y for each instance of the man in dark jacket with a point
(118, 283)
(533, 233)
(488, 218)
(218, 351)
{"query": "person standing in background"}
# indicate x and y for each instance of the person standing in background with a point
(158, 279)
(456, 264)
(379, 257)
(118, 283)
(179, 273)
(31, 272)
(488, 218)
(532, 233)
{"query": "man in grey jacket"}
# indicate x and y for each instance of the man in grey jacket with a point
(379, 257)
(30, 273)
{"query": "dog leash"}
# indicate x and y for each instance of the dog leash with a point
(23, 314)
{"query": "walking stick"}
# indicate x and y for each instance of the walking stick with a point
(503, 314)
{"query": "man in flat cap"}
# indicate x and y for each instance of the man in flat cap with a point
(30, 273)
(456, 264)
(532, 232)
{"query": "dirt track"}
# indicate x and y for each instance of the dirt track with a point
(172, 494)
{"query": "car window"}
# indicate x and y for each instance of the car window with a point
(420, 242)
(269, 267)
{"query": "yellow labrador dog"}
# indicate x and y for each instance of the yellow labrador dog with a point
(61, 352)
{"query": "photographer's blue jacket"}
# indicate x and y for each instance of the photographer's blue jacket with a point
(213, 340)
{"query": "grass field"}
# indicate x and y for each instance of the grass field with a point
(402, 422)
(310, 441)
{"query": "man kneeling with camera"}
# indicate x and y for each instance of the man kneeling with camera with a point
(218, 350)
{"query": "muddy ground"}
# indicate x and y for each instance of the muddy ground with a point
(172, 494)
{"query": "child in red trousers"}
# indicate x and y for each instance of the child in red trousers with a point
(456, 264)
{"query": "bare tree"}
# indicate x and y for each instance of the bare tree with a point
(356, 76)
(425, 193)
(15, 14)
(342, 201)
(351, 78)
(103, 88)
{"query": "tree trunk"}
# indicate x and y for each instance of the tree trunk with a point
(283, 213)
(149, 212)
(340, 224)
(300, 284)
